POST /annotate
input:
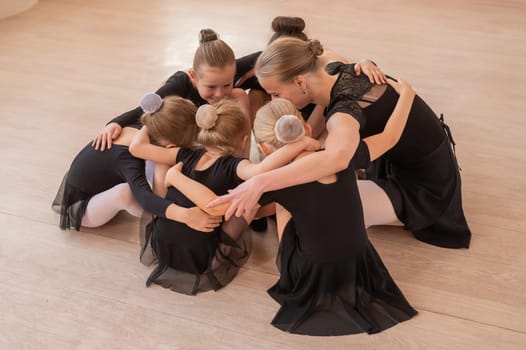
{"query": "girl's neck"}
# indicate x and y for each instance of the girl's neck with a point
(216, 152)
(209, 158)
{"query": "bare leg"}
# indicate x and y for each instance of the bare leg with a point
(105, 205)
(377, 208)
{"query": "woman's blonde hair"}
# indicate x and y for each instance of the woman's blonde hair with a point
(212, 51)
(267, 117)
(222, 126)
(288, 57)
(173, 122)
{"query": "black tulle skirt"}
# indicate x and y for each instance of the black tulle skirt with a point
(426, 195)
(352, 295)
(70, 203)
(198, 265)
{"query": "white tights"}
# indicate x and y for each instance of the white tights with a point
(104, 206)
(377, 207)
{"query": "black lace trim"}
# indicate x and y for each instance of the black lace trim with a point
(347, 91)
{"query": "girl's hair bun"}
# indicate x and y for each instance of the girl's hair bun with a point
(151, 102)
(206, 35)
(206, 117)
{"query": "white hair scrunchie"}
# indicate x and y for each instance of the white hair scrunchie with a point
(289, 129)
(151, 102)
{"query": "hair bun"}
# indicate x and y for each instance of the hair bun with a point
(206, 35)
(288, 25)
(206, 117)
(289, 129)
(151, 102)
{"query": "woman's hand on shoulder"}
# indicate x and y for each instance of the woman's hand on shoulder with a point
(371, 70)
(106, 136)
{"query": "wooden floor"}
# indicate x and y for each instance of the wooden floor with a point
(68, 66)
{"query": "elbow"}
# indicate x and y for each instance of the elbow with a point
(134, 150)
(340, 159)
(392, 142)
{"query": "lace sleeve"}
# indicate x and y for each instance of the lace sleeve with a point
(347, 91)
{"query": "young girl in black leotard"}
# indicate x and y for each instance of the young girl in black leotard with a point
(209, 80)
(332, 280)
(100, 184)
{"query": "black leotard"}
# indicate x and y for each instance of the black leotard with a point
(332, 280)
(181, 250)
(93, 172)
(421, 177)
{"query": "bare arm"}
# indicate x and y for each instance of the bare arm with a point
(193, 190)
(198, 193)
(341, 143)
(193, 217)
(141, 147)
(380, 143)
(284, 155)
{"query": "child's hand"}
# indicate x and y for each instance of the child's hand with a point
(367, 67)
(201, 221)
(106, 136)
(172, 173)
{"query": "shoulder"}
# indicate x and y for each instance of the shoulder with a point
(178, 84)
(179, 76)
(248, 59)
(187, 154)
(230, 165)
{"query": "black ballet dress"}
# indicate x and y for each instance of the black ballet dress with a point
(190, 261)
(420, 173)
(93, 172)
(332, 280)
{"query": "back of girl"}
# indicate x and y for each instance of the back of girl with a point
(191, 261)
(100, 184)
(332, 280)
